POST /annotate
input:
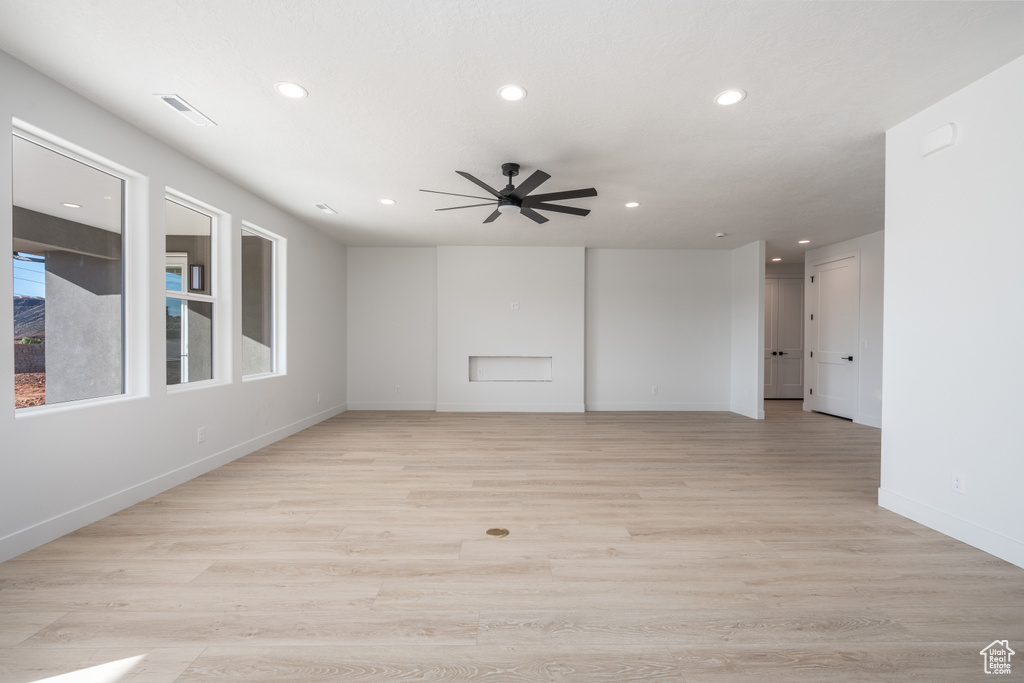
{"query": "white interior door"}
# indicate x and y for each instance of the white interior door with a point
(784, 338)
(834, 330)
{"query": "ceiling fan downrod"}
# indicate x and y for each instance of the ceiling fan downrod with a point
(510, 170)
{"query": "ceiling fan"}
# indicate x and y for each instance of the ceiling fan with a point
(518, 199)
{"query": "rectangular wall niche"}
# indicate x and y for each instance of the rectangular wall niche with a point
(510, 368)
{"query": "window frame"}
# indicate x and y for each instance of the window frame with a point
(218, 356)
(133, 375)
(278, 249)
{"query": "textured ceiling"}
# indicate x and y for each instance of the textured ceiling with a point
(403, 94)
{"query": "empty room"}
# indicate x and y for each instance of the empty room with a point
(456, 340)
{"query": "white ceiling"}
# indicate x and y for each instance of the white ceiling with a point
(403, 94)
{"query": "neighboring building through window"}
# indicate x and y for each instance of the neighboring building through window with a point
(189, 301)
(68, 227)
(258, 309)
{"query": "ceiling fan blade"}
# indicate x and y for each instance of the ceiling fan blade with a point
(467, 206)
(529, 185)
(454, 194)
(560, 209)
(492, 216)
(533, 215)
(555, 196)
(481, 183)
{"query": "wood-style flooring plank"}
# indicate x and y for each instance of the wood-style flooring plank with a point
(17, 626)
(448, 664)
(408, 594)
(583, 628)
(340, 572)
(123, 665)
(95, 628)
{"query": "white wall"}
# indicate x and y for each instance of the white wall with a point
(66, 466)
(392, 328)
(747, 360)
(871, 250)
(777, 269)
(954, 318)
(658, 318)
(475, 289)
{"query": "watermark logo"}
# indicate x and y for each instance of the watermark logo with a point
(997, 657)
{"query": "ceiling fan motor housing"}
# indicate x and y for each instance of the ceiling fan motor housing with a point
(510, 205)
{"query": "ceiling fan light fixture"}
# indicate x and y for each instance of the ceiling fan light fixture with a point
(291, 90)
(509, 208)
(512, 93)
(730, 97)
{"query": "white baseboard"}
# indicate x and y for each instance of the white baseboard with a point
(645, 407)
(747, 412)
(36, 535)
(973, 535)
(392, 406)
(511, 408)
(869, 420)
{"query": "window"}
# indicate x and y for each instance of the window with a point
(68, 220)
(188, 293)
(258, 311)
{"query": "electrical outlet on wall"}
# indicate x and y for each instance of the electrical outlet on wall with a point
(957, 482)
(654, 390)
(201, 435)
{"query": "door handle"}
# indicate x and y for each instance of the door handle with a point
(848, 358)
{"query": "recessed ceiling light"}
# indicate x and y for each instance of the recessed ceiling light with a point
(292, 90)
(387, 202)
(730, 97)
(804, 242)
(776, 259)
(512, 93)
(71, 205)
(632, 205)
(325, 208)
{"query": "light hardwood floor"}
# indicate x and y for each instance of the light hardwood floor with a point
(642, 547)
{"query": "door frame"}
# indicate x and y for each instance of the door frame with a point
(803, 331)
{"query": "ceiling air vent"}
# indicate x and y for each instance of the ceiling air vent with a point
(187, 110)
